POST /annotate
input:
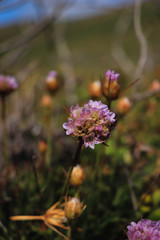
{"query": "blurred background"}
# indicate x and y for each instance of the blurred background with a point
(80, 39)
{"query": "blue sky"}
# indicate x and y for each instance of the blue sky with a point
(11, 11)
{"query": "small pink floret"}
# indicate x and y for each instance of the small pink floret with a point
(112, 76)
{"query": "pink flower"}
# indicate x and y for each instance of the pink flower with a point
(7, 84)
(92, 123)
(112, 76)
(145, 229)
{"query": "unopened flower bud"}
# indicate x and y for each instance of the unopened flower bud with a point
(7, 84)
(52, 82)
(77, 176)
(111, 86)
(155, 85)
(46, 101)
(42, 146)
(123, 105)
(73, 208)
(95, 89)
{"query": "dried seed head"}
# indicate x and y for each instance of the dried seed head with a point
(54, 217)
(73, 208)
(95, 89)
(123, 105)
(77, 176)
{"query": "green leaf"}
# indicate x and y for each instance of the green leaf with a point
(156, 197)
(155, 215)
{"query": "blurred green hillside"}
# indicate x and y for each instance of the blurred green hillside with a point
(90, 41)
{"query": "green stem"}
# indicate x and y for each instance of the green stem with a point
(109, 103)
(69, 233)
(74, 163)
(97, 165)
(108, 98)
(49, 147)
(35, 175)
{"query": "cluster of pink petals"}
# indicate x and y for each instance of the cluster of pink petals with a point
(52, 74)
(92, 123)
(112, 76)
(145, 229)
(7, 84)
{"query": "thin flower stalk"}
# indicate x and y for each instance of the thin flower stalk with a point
(4, 127)
(8, 84)
(74, 163)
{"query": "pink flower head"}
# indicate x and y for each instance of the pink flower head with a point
(52, 74)
(92, 123)
(112, 76)
(145, 229)
(52, 81)
(7, 84)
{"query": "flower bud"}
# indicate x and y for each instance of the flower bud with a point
(52, 82)
(155, 85)
(111, 88)
(7, 84)
(123, 105)
(95, 89)
(73, 208)
(77, 176)
(46, 101)
(42, 146)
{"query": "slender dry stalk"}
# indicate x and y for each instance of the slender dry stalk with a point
(142, 40)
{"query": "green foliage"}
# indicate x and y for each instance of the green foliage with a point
(156, 197)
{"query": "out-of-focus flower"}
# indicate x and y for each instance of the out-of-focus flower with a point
(7, 84)
(123, 105)
(73, 208)
(77, 176)
(92, 123)
(145, 229)
(54, 217)
(112, 75)
(155, 85)
(111, 86)
(95, 89)
(42, 146)
(46, 101)
(52, 81)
